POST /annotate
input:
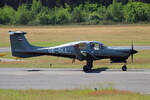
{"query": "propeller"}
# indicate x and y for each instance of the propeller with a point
(132, 48)
(132, 51)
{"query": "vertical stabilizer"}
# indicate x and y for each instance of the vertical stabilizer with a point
(18, 41)
(20, 47)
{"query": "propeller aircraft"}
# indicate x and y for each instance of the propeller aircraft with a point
(80, 50)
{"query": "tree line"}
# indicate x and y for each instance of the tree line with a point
(55, 3)
(58, 3)
(32, 12)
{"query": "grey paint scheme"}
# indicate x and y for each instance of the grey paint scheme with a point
(20, 47)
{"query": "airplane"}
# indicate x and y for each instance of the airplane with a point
(80, 50)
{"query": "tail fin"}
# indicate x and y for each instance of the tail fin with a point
(20, 47)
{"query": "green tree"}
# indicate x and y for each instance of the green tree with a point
(7, 15)
(38, 13)
(90, 7)
(94, 18)
(36, 7)
(62, 15)
(114, 12)
(46, 16)
(101, 10)
(23, 15)
(135, 11)
(78, 14)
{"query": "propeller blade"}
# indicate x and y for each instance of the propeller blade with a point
(132, 50)
(132, 47)
(131, 58)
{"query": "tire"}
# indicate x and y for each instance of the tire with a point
(86, 68)
(124, 68)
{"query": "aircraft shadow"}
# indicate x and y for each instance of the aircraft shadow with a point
(33, 70)
(97, 70)
(63, 69)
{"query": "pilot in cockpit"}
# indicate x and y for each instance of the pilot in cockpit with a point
(92, 45)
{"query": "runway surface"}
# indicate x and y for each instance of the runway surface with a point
(136, 80)
(7, 49)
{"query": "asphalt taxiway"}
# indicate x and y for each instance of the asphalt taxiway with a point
(136, 80)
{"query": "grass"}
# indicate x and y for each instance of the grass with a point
(77, 94)
(55, 35)
(141, 60)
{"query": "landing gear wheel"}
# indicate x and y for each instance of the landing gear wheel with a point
(124, 68)
(86, 68)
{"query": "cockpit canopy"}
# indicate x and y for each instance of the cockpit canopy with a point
(97, 45)
(93, 45)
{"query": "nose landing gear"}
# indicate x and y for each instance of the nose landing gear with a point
(124, 67)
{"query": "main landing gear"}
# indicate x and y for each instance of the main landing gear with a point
(124, 67)
(88, 66)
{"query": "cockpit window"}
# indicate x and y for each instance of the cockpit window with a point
(95, 46)
(103, 46)
(82, 46)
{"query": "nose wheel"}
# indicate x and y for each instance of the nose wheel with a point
(124, 67)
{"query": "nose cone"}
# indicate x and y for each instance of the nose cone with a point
(134, 51)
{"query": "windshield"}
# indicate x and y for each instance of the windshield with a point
(103, 46)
